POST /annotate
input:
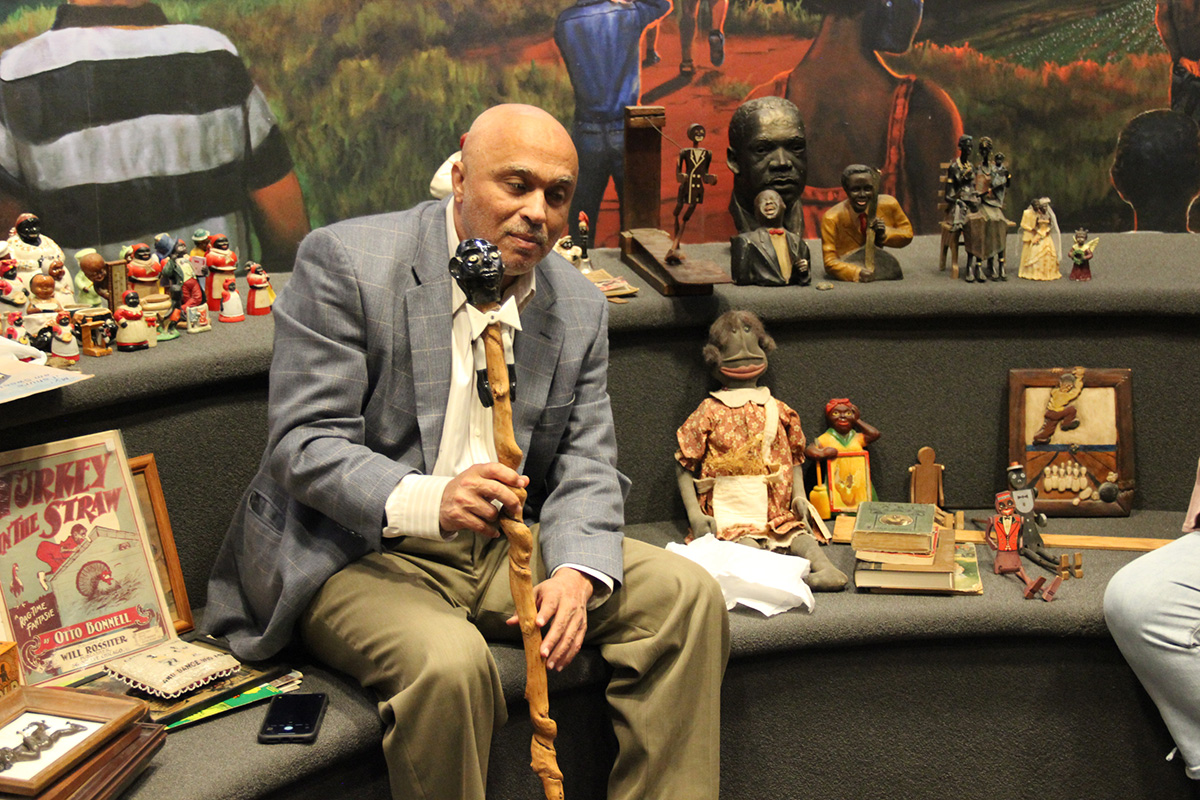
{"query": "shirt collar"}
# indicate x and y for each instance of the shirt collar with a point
(736, 398)
(522, 289)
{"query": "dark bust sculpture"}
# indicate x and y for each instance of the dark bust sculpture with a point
(767, 150)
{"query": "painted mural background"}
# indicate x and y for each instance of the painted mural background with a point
(372, 95)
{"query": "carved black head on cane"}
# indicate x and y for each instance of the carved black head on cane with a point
(477, 268)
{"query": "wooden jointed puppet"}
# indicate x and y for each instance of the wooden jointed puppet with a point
(477, 268)
(1004, 537)
(740, 455)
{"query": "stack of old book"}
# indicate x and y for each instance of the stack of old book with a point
(900, 547)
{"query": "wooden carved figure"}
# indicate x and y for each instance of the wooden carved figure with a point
(843, 447)
(231, 303)
(925, 479)
(1039, 242)
(692, 174)
(262, 296)
(132, 332)
(740, 454)
(767, 150)
(985, 229)
(478, 270)
(1081, 256)
(1003, 536)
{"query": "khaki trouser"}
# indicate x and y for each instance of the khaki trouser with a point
(411, 625)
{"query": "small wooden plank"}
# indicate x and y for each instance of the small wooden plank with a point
(645, 251)
(844, 527)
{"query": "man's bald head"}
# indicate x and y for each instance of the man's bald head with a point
(514, 184)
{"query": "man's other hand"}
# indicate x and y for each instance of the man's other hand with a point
(467, 500)
(561, 600)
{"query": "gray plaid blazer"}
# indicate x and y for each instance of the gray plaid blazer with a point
(358, 390)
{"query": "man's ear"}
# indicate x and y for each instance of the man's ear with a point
(731, 160)
(457, 177)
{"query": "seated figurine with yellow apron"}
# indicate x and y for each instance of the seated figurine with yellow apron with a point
(740, 454)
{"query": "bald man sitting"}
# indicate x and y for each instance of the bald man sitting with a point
(370, 531)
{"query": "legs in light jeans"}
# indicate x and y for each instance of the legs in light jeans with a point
(1152, 606)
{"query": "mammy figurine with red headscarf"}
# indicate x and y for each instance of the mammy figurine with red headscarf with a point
(847, 435)
(231, 303)
(132, 331)
(221, 263)
(740, 454)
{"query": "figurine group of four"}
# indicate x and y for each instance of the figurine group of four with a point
(45, 308)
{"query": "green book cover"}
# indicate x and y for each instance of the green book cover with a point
(894, 527)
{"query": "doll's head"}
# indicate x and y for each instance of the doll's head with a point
(841, 414)
(131, 299)
(736, 352)
(1005, 504)
(29, 228)
(42, 286)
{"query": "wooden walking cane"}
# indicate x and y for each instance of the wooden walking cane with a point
(477, 268)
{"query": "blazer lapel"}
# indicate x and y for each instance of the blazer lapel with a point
(427, 310)
(536, 350)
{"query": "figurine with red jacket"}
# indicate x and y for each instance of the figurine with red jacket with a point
(221, 263)
(1003, 536)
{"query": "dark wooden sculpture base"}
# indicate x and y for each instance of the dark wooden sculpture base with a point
(645, 250)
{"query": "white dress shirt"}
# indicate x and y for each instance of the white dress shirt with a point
(413, 508)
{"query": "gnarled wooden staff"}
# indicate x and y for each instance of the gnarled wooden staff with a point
(477, 268)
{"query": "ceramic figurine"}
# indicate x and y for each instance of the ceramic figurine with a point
(31, 248)
(769, 255)
(585, 263)
(182, 284)
(64, 347)
(64, 289)
(1004, 537)
(740, 454)
(567, 248)
(847, 436)
(231, 302)
(13, 296)
(91, 280)
(156, 310)
(925, 479)
(262, 296)
(221, 263)
(767, 150)
(1039, 242)
(143, 269)
(692, 174)
(200, 242)
(844, 230)
(1081, 256)
(97, 330)
(8, 264)
(41, 295)
(14, 328)
(132, 332)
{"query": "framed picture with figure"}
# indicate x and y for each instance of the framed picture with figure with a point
(1071, 428)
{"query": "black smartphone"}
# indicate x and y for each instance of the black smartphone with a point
(293, 717)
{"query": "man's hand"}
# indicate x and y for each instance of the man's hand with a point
(467, 500)
(562, 601)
